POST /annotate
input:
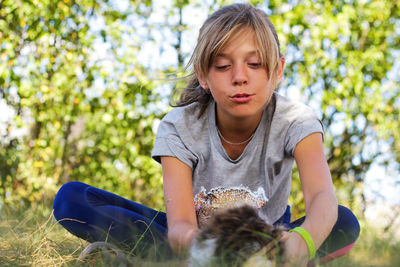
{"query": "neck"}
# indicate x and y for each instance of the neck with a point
(234, 143)
(237, 130)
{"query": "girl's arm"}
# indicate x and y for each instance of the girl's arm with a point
(319, 196)
(178, 197)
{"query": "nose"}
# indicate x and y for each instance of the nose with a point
(239, 75)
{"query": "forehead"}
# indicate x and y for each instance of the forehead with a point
(242, 37)
(239, 43)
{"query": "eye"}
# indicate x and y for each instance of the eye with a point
(255, 64)
(222, 67)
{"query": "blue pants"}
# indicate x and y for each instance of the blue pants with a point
(97, 215)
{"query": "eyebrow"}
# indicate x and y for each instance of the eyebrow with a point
(250, 53)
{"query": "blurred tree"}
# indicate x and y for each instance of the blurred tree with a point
(342, 55)
(69, 70)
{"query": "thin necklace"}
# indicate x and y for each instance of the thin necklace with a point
(234, 144)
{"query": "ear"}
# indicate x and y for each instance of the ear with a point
(202, 80)
(281, 68)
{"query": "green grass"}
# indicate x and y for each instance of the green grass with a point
(31, 237)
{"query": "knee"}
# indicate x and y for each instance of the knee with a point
(67, 197)
(348, 224)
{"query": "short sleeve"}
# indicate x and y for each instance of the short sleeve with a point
(300, 129)
(169, 143)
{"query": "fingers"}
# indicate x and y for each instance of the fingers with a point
(284, 236)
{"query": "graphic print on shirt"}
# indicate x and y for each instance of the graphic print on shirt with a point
(207, 203)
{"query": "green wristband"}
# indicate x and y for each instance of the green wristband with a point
(307, 237)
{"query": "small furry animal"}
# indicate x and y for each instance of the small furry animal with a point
(237, 237)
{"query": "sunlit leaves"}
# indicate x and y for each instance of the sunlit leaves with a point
(85, 110)
(343, 56)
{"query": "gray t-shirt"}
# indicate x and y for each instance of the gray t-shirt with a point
(265, 167)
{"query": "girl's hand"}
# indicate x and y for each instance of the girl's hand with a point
(296, 250)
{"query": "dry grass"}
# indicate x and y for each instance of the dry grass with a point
(31, 237)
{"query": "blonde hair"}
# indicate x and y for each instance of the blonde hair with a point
(214, 36)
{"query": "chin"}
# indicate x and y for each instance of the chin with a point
(237, 237)
(247, 112)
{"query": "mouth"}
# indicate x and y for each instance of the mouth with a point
(241, 95)
(241, 98)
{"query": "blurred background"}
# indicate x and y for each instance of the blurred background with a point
(84, 84)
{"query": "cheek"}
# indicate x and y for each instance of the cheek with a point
(218, 82)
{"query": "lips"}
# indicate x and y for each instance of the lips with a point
(241, 98)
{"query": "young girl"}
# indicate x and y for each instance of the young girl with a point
(232, 137)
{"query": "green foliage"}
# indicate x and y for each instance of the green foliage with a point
(87, 115)
(341, 54)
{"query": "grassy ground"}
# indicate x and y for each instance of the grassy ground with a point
(31, 237)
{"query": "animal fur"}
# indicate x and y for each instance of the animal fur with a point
(233, 236)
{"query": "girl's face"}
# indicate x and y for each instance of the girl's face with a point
(238, 82)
